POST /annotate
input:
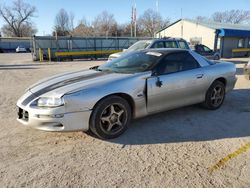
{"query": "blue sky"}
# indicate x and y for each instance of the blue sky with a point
(47, 9)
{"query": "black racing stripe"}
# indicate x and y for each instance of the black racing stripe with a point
(28, 99)
(55, 77)
(61, 84)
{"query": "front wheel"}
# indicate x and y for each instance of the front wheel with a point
(217, 57)
(110, 117)
(215, 96)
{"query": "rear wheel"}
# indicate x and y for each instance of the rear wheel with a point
(110, 117)
(215, 96)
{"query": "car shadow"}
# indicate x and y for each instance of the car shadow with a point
(17, 68)
(236, 62)
(17, 65)
(192, 123)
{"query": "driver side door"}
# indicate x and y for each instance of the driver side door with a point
(179, 81)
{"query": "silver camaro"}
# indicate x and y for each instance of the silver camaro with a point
(104, 99)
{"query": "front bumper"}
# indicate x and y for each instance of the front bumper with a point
(53, 119)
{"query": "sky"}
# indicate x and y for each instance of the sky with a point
(89, 9)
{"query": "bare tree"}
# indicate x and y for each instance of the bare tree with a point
(83, 29)
(105, 24)
(71, 21)
(151, 21)
(26, 30)
(201, 18)
(232, 16)
(18, 19)
(63, 23)
(124, 30)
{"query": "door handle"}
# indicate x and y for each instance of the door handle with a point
(198, 76)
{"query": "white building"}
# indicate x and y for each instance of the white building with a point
(217, 36)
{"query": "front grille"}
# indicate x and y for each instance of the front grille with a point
(22, 114)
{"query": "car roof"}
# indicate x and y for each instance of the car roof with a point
(169, 39)
(165, 50)
(164, 39)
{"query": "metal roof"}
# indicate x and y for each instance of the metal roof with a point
(218, 26)
(233, 33)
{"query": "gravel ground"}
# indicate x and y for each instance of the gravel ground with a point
(170, 149)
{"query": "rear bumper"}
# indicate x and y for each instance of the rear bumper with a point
(55, 119)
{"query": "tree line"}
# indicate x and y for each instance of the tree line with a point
(18, 22)
(105, 24)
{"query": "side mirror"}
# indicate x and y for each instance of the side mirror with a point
(155, 73)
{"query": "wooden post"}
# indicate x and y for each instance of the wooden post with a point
(49, 54)
(40, 54)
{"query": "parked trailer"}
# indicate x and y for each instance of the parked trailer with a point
(61, 48)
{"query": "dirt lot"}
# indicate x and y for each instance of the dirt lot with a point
(188, 147)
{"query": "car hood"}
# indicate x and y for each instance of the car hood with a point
(62, 84)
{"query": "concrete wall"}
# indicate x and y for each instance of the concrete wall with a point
(187, 30)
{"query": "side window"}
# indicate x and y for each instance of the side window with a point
(158, 45)
(199, 48)
(176, 62)
(171, 44)
(206, 49)
(183, 45)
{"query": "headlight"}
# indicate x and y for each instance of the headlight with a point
(50, 102)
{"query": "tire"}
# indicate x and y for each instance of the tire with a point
(215, 96)
(110, 117)
(217, 57)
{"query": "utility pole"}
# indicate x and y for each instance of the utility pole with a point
(157, 6)
(135, 19)
(181, 25)
(132, 21)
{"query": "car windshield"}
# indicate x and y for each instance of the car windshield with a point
(140, 45)
(132, 62)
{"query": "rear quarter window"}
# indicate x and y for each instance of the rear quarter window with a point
(183, 45)
(171, 44)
